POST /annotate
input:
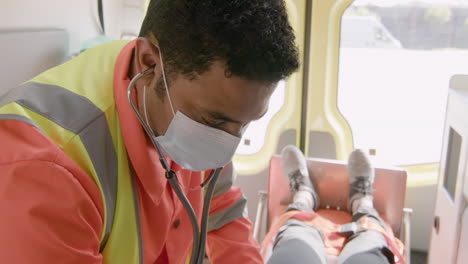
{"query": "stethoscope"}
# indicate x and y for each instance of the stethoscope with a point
(199, 238)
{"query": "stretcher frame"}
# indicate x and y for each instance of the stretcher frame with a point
(330, 176)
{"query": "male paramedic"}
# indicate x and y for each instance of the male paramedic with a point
(113, 157)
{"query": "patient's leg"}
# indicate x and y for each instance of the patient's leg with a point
(297, 242)
(366, 246)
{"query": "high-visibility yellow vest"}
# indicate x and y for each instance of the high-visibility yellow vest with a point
(73, 104)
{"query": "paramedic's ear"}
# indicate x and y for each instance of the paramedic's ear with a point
(146, 55)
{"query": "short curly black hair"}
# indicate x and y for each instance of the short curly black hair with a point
(252, 37)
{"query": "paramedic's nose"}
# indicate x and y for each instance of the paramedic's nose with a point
(236, 129)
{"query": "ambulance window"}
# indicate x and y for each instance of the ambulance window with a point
(452, 161)
(396, 60)
(254, 137)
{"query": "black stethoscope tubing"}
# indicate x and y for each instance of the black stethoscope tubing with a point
(199, 238)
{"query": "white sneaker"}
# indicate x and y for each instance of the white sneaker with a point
(294, 167)
(361, 180)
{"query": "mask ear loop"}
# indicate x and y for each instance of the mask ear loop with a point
(144, 106)
(206, 181)
(165, 81)
(171, 176)
(199, 238)
(146, 127)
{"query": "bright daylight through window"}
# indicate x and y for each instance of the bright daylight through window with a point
(396, 60)
(254, 137)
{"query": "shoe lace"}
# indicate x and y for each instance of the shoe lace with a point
(295, 180)
(363, 185)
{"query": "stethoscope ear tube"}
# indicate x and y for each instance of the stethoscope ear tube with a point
(193, 218)
(199, 240)
(206, 210)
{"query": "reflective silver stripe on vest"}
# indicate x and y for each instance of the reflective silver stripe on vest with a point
(226, 178)
(137, 213)
(18, 118)
(79, 115)
(234, 212)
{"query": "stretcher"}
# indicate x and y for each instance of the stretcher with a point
(331, 177)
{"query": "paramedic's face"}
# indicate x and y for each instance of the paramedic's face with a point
(211, 98)
(226, 103)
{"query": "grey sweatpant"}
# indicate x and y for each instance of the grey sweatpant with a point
(297, 242)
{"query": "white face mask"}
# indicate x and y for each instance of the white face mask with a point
(193, 145)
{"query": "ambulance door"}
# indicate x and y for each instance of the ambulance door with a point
(452, 196)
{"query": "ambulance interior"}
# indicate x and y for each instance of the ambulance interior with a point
(389, 77)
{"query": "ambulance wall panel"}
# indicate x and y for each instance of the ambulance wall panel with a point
(26, 53)
(78, 18)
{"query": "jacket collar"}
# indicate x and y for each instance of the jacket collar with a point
(141, 151)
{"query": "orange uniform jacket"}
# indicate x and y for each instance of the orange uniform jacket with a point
(52, 211)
